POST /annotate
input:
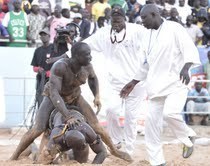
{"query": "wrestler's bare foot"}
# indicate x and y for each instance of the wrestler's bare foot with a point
(45, 157)
(123, 155)
(13, 157)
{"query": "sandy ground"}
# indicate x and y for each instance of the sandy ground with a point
(172, 150)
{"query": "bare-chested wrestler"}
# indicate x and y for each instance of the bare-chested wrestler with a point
(78, 138)
(67, 75)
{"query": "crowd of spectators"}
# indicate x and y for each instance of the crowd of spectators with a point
(24, 19)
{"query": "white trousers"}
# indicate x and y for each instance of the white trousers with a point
(169, 109)
(131, 107)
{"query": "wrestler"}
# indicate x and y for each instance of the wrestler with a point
(77, 138)
(63, 87)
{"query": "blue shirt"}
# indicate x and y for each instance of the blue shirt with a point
(3, 31)
(203, 92)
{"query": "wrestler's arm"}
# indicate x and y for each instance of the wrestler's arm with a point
(95, 143)
(93, 81)
(94, 86)
(56, 78)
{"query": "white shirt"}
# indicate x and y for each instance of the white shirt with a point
(122, 59)
(170, 48)
(184, 12)
(194, 31)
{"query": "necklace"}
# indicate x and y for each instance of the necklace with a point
(115, 37)
(151, 47)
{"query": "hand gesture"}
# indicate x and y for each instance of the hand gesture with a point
(97, 104)
(184, 74)
(126, 90)
(68, 39)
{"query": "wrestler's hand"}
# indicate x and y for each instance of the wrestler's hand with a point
(73, 122)
(126, 90)
(97, 104)
(184, 74)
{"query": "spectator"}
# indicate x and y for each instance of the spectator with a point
(46, 7)
(93, 25)
(107, 15)
(184, 10)
(202, 20)
(26, 6)
(169, 4)
(39, 64)
(100, 22)
(165, 14)
(134, 15)
(3, 34)
(10, 5)
(2, 14)
(122, 3)
(204, 3)
(36, 22)
(56, 21)
(174, 16)
(4, 5)
(131, 4)
(98, 8)
(17, 24)
(202, 17)
(74, 5)
(196, 7)
(84, 25)
(206, 67)
(66, 14)
(197, 103)
(193, 30)
(206, 30)
(89, 4)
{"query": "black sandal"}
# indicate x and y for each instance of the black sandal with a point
(187, 151)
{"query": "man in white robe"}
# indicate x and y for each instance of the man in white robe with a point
(120, 43)
(169, 52)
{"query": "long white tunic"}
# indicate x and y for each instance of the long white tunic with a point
(123, 58)
(166, 50)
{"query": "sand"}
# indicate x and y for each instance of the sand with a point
(172, 150)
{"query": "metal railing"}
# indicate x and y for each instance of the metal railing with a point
(195, 97)
(20, 41)
(23, 93)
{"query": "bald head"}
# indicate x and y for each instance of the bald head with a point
(149, 8)
(80, 53)
(150, 16)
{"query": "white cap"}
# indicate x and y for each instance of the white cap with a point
(77, 15)
(35, 2)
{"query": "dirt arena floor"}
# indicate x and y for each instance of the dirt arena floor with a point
(172, 150)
